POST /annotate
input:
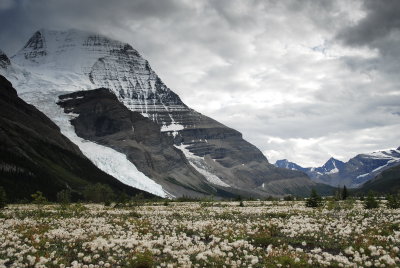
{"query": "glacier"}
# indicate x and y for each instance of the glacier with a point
(42, 91)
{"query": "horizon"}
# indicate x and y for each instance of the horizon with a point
(306, 116)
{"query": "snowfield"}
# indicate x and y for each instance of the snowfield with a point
(199, 234)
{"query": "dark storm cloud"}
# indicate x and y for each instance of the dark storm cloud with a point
(382, 20)
(300, 79)
(20, 18)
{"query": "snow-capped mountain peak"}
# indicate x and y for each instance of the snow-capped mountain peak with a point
(353, 173)
(51, 49)
(331, 166)
(91, 61)
(386, 154)
(284, 163)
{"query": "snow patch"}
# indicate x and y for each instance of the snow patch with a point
(363, 175)
(172, 128)
(334, 170)
(201, 166)
(379, 168)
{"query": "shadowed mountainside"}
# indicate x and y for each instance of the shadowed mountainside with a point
(35, 156)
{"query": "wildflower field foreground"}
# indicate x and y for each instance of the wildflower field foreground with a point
(200, 234)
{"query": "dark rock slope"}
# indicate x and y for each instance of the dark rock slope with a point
(35, 156)
(105, 120)
(387, 182)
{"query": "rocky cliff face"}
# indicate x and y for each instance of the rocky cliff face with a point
(4, 60)
(35, 156)
(79, 61)
(103, 119)
(354, 173)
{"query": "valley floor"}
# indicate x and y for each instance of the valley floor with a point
(200, 234)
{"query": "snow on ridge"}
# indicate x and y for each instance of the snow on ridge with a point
(172, 127)
(385, 154)
(333, 171)
(387, 164)
(363, 175)
(70, 50)
(199, 164)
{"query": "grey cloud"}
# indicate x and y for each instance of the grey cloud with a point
(381, 20)
(252, 66)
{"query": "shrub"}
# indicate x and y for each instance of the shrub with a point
(99, 193)
(314, 200)
(370, 201)
(142, 260)
(288, 198)
(64, 196)
(3, 198)
(123, 198)
(38, 198)
(393, 201)
(333, 205)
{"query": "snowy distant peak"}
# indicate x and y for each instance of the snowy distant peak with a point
(284, 163)
(51, 47)
(386, 154)
(354, 172)
(4, 60)
(35, 48)
(332, 166)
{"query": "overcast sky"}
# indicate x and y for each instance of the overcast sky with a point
(302, 80)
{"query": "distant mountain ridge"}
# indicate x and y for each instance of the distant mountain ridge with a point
(352, 173)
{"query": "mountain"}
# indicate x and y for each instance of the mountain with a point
(205, 152)
(331, 166)
(284, 163)
(101, 118)
(35, 156)
(388, 181)
(354, 173)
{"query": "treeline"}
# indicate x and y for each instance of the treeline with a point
(370, 201)
(93, 193)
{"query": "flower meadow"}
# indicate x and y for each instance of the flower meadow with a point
(200, 234)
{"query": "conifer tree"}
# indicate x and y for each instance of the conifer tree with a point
(345, 194)
(314, 200)
(3, 198)
(370, 201)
